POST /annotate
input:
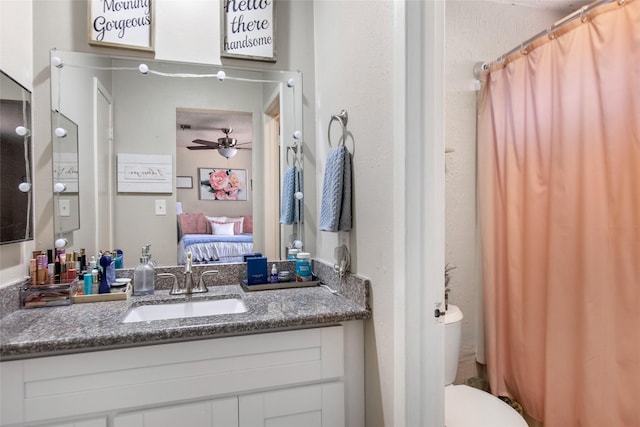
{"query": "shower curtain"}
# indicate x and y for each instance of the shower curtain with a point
(559, 210)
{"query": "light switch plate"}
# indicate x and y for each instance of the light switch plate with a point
(64, 207)
(161, 207)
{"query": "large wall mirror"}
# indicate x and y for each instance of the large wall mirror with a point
(16, 196)
(158, 139)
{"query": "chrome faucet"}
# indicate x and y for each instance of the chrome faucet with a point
(201, 285)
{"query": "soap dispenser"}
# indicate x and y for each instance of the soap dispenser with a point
(144, 276)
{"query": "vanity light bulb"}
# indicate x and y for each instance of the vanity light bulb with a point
(61, 243)
(24, 187)
(221, 75)
(299, 195)
(143, 68)
(60, 132)
(291, 82)
(297, 244)
(59, 187)
(57, 62)
(297, 134)
(22, 131)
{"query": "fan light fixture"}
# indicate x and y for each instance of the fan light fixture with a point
(227, 152)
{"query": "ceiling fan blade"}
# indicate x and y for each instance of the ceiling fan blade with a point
(201, 147)
(206, 142)
(243, 143)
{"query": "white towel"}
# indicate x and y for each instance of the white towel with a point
(335, 208)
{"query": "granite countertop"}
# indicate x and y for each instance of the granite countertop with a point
(78, 328)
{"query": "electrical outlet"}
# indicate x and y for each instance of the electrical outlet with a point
(161, 207)
(64, 207)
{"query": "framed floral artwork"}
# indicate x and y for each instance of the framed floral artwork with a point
(223, 184)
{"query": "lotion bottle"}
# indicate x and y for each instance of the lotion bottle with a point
(273, 278)
(144, 277)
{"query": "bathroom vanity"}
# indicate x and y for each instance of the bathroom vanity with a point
(295, 357)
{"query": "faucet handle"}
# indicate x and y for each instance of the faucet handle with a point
(201, 286)
(175, 288)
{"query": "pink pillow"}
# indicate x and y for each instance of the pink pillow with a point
(193, 223)
(248, 224)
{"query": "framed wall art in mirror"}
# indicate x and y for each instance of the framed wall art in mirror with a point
(223, 184)
(16, 195)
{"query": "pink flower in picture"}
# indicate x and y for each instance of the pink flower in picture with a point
(223, 184)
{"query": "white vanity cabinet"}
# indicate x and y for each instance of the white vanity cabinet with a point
(290, 378)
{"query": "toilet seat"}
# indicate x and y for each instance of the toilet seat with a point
(466, 406)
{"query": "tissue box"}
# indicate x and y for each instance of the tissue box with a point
(256, 270)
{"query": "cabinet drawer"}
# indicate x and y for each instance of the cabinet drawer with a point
(87, 383)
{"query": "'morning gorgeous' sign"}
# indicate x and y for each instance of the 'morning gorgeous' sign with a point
(126, 23)
(248, 29)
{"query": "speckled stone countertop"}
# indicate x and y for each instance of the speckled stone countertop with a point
(98, 326)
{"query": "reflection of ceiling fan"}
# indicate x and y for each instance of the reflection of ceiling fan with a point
(223, 142)
(226, 146)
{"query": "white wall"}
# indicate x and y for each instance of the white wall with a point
(16, 60)
(476, 31)
(354, 71)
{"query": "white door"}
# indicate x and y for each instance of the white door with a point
(103, 167)
(320, 405)
(213, 413)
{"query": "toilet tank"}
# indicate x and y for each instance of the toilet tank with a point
(452, 334)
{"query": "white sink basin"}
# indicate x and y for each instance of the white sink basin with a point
(179, 310)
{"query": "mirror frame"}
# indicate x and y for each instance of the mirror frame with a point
(13, 93)
(289, 82)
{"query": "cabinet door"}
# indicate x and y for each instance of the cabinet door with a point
(213, 413)
(320, 405)
(98, 422)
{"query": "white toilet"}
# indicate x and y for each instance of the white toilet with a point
(466, 406)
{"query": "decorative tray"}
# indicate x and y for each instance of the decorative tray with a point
(280, 285)
(114, 296)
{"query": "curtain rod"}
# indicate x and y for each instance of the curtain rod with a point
(481, 67)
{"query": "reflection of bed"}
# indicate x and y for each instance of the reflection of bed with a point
(214, 239)
(211, 248)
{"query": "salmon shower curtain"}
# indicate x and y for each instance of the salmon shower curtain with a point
(559, 199)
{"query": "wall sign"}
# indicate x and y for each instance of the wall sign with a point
(145, 173)
(121, 23)
(248, 29)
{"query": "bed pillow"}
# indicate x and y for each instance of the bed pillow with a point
(247, 226)
(193, 223)
(222, 228)
(217, 218)
(237, 225)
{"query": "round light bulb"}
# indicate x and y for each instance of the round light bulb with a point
(22, 131)
(143, 68)
(297, 134)
(297, 244)
(60, 132)
(24, 187)
(291, 82)
(61, 243)
(57, 62)
(299, 195)
(59, 187)
(221, 75)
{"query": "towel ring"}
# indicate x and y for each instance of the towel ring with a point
(294, 151)
(343, 118)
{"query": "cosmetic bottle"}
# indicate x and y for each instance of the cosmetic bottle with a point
(144, 277)
(273, 278)
(303, 267)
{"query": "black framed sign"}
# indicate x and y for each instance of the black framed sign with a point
(121, 23)
(248, 29)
